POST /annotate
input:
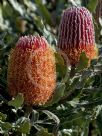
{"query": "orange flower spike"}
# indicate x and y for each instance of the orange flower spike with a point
(76, 34)
(32, 70)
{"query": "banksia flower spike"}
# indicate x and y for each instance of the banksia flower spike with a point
(76, 34)
(32, 70)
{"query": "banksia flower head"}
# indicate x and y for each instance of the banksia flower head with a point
(32, 70)
(76, 34)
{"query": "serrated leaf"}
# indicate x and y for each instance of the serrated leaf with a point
(17, 101)
(92, 5)
(83, 62)
(52, 116)
(25, 127)
(59, 92)
(3, 116)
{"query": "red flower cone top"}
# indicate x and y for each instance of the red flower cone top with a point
(32, 70)
(76, 34)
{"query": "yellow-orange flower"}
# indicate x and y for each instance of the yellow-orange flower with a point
(32, 70)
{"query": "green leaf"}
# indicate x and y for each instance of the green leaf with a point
(92, 5)
(17, 6)
(59, 58)
(74, 102)
(34, 117)
(83, 62)
(67, 132)
(30, 5)
(3, 116)
(6, 126)
(85, 130)
(61, 67)
(17, 101)
(25, 127)
(59, 92)
(2, 24)
(43, 132)
(43, 10)
(99, 122)
(38, 127)
(52, 116)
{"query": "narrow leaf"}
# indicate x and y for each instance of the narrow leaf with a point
(34, 117)
(52, 116)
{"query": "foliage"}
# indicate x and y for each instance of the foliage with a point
(76, 107)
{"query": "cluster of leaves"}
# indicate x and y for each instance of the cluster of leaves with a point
(76, 107)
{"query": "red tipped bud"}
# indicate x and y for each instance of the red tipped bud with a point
(76, 34)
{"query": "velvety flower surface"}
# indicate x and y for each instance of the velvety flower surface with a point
(76, 34)
(32, 70)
